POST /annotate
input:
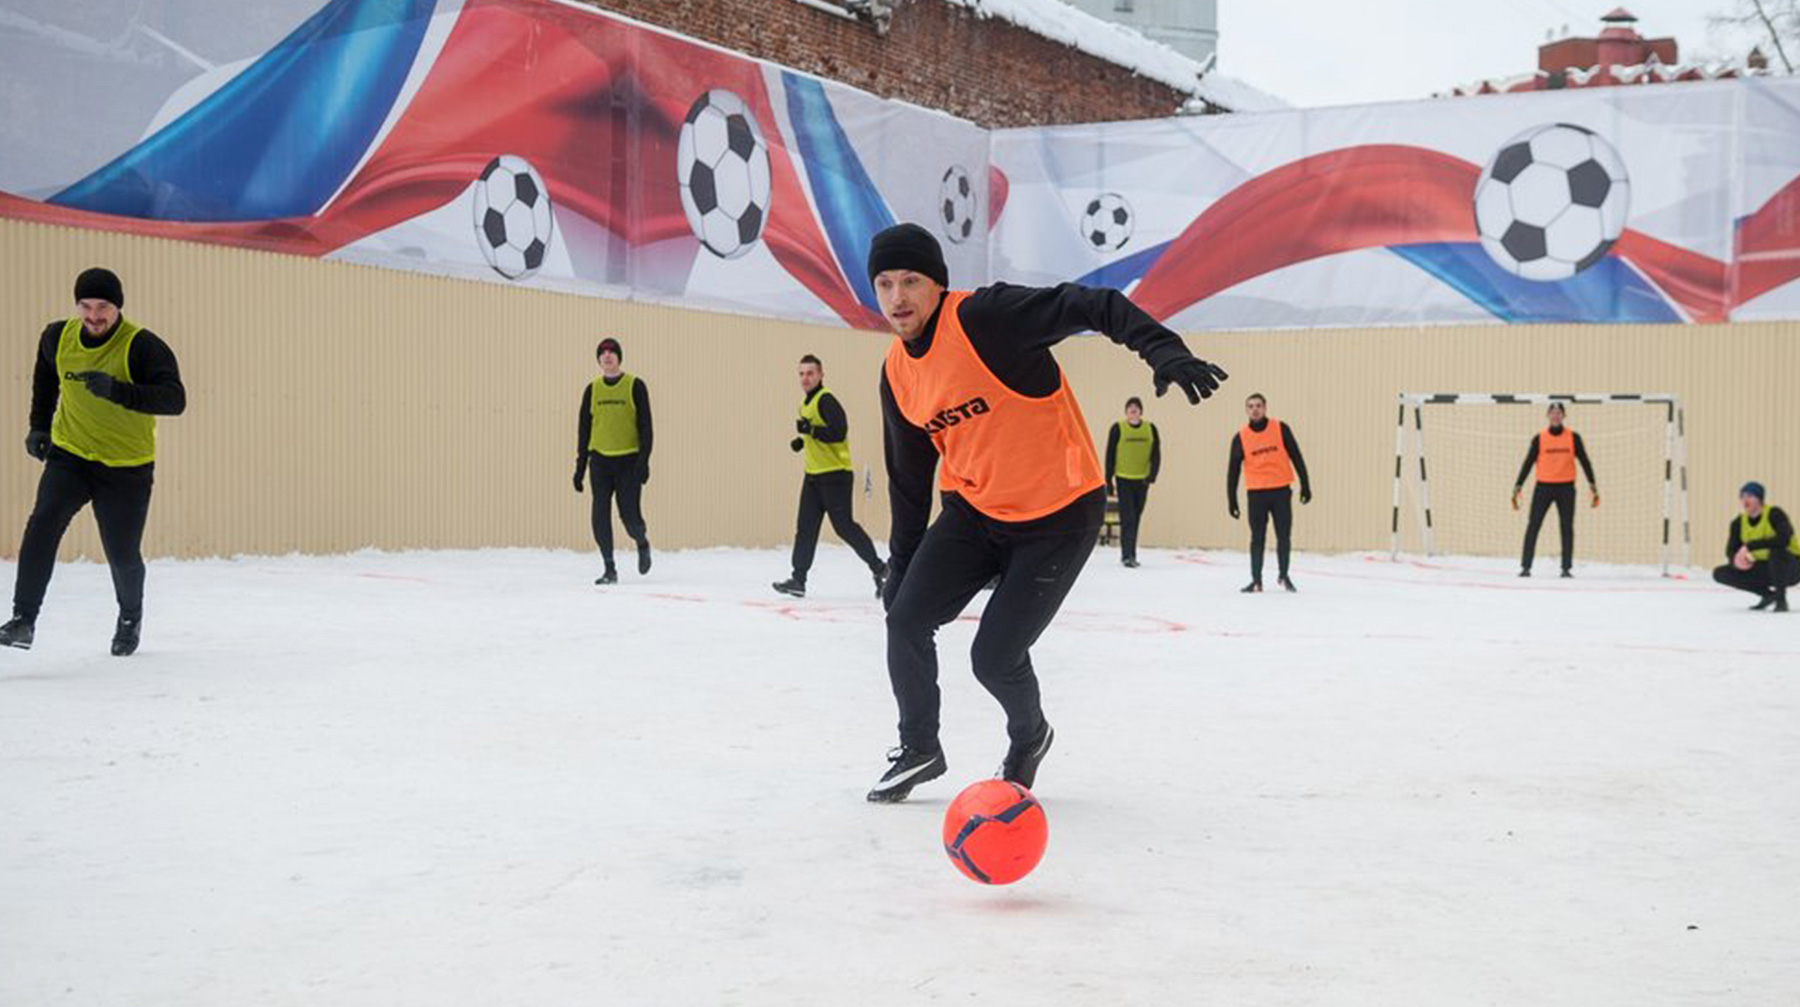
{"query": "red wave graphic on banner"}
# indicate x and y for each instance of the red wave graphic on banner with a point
(1371, 197)
(1767, 253)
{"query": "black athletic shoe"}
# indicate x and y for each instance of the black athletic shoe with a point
(1286, 585)
(1131, 563)
(907, 768)
(1781, 600)
(1767, 600)
(1021, 765)
(1525, 572)
(793, 585)
(18, 632)
(1566, 575)
(1254, 587)
(611, 576)
(125, 635)
(643, 557)
(881, 576)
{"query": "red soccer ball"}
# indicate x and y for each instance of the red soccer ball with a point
(995, 832)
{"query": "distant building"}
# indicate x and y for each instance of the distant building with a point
(998, 63)
(1617, 56)
(1190, 27)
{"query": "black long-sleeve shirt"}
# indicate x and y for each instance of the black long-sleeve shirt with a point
(1112, 452)
(640, 400)
(1531, 457)
(1012, 329)
(1781, 532)
(836, 426)
(1235, 467)
(156, 388)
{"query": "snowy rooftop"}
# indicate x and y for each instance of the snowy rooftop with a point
(1119, 44)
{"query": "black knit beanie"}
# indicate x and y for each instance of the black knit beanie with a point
(100, 284)
(609, 343)
(908, 246)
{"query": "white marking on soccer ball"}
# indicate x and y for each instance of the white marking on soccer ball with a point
(1552, 202)
(1107, 222)
(722, 168)
(956, 204)
(514, 223)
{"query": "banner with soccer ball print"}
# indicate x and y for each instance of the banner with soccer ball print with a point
(552, 145)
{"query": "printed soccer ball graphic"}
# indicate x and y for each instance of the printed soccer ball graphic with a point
(956, 204)
(1107, 223)
(513, 222)
(723, 167)
(1552, 202)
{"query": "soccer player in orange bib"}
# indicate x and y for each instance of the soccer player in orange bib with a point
(1268, 456)
(1554, 452)
(971, 392)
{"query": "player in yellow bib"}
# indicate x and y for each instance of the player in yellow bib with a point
(99, 383)
(824, 443)
(613, 435)
(1762, 551)
(1133, 460)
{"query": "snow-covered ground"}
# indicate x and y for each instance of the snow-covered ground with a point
(474, 778)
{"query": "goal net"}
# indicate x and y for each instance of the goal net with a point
(1457, 455)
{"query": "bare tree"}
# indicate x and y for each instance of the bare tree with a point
(1778, 21)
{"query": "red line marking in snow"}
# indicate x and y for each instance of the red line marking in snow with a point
(1663, 648)
(666, 596)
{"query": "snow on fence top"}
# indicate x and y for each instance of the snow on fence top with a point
(1118, 44)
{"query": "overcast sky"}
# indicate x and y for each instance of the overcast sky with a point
(1332, 52)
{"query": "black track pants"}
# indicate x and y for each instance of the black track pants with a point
(1264, 505)
(961, 552)
(121, 499)
(1133, 494)
(1780, 572)
(1542, 496)
(610, 478)
(822, 495)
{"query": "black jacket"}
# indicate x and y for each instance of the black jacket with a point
(1012, 329)
(157, 389)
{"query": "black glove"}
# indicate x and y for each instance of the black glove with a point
(1192, 375)
(580, 472)
(1306, 494)
(643, 471)
(797, 444)
(890, 588)
(99, 383)
(1234, 510)
(802, 427)
(37, 444)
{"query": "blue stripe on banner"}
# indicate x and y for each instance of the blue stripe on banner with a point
(282, 136)
(1608, 291)
(849, 203)
(1122, 273)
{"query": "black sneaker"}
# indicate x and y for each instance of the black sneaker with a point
(881, 576)
(907, 768)
(1767, 600)
(125, 635)
(1131, 564)
(792, 586)
(1566, 575)
(1254, 587)
(643, 557)
(18, 632)
(1781, 600)
(611, 576)
(1021, 765)
(1287, 585)
(1525, 572)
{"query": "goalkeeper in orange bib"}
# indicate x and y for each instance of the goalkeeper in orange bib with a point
(1555, 451)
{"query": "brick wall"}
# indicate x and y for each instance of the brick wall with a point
(935, 54)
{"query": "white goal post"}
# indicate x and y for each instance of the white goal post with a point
(1673, 448)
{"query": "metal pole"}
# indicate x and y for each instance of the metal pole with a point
(1399, 452)
(1424, 482)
